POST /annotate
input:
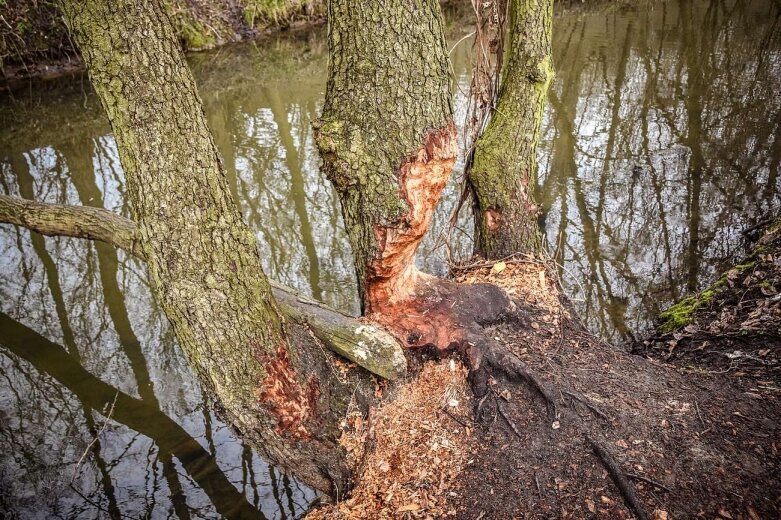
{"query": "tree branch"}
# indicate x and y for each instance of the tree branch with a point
(71, 221)
(370, 346)
(367, 345)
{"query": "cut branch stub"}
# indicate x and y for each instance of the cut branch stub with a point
(367, 345)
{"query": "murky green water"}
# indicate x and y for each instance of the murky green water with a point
(661, 144)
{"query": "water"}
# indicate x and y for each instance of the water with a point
(660, 145)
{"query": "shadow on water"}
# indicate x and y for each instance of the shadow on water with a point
(660, 145)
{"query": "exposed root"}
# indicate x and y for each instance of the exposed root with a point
(587, 403)
(509, 421)
(620, 479)
(515, 369)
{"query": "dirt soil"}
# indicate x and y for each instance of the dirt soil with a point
(691, 444)
(602, 434)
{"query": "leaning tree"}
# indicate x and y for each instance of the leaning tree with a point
(551, 404)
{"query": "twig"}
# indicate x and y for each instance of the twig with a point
(479, 410)
(453, 416)
(509, 421)
(537, 482)
(459, 41)
(648, 481)
(619, 477)
(94, 439)
(697, 407)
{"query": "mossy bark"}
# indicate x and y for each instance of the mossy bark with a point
(386, 135)
(74, 221)
(504, 169)
(203, 260)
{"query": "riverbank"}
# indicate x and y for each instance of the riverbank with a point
(734, 325)
(34, 41)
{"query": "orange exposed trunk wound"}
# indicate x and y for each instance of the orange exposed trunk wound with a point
(392, 276)
(493, 219)
(292, 404)
(422, 310)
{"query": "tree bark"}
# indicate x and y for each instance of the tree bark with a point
(503, 172)
(274, 383)
(387, 136)
(71, 221)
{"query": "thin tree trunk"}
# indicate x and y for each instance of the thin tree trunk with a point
(503, 173)
(387, 136)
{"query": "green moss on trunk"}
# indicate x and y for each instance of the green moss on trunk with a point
(504, 169)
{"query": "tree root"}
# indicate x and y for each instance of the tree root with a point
(587, 403)
(516, 370)
(509, 421)
(620, 478)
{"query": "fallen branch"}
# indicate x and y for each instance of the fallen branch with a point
(71, 221)
(367, 345)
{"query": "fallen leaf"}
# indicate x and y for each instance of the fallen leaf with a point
(498, 267)
(409, 507)
(660, 514)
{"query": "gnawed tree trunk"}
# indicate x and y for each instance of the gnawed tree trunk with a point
(274, 382)
(600, 408)
(387, 136)
(503, 172)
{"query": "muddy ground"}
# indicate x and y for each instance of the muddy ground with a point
(610, 435)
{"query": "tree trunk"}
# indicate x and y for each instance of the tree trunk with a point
(503, 173)
(387, 136)
(275, 385)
